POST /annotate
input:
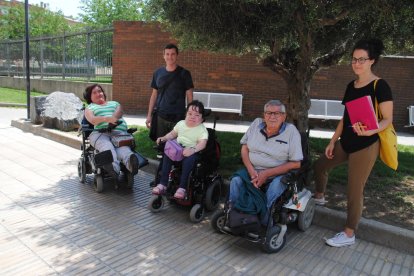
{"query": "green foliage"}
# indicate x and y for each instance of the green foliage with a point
(293, 38)
(42, 22)
(281, 28)
(101, 13)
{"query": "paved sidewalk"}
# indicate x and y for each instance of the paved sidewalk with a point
(50, 224)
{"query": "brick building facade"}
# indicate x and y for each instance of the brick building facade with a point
(137, 52)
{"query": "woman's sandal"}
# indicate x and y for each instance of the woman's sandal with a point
(159, 190)
(180, 193)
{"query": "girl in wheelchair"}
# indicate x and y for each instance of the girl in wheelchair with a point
(192, 135)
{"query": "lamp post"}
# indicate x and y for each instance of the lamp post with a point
(26, 19)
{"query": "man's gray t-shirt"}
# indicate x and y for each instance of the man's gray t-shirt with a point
(274, 151)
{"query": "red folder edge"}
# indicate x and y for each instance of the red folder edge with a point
(362, 110)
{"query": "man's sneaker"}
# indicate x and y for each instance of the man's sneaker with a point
(320, 201)
(340, 239)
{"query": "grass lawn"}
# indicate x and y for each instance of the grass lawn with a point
(8, 95)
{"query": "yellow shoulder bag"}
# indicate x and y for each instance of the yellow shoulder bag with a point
(388, 140)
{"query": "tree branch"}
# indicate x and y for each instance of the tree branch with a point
(271, 63)
(333, 56)
(332, 21)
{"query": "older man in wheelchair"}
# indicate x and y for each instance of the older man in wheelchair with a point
(271, 149)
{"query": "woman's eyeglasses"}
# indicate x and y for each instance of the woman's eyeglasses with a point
(360, 60)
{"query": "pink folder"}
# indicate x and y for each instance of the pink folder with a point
(362, 110)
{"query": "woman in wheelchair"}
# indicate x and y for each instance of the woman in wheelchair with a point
(103, 114)
(270, 148)
(192, 135)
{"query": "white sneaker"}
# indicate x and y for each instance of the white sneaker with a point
(340, 239)
(320, 201)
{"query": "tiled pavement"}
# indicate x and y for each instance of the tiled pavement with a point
(52, 224)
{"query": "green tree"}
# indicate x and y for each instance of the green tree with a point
(101, 13)
(42, 22)
(293, 38)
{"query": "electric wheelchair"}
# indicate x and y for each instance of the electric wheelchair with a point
(294, 205)
(100, 163)
(203, 186)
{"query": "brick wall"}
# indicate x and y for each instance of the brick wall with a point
(138, 52)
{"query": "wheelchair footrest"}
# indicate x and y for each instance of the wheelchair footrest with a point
(104, 157)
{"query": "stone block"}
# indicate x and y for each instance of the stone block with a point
(62, 111)
(36, 108)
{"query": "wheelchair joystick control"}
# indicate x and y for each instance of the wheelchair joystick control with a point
(292, 217)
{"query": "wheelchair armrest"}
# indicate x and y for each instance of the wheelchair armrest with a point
(291, 177)
(295, 174)
(131, 130)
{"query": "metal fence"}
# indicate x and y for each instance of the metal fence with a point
(84, 56)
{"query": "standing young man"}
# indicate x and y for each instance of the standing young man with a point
(171, 86)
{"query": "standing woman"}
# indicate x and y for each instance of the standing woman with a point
(353, 143)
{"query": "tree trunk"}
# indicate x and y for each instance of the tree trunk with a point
(299, 101)
(300, 76)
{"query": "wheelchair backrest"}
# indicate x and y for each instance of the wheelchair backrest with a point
(305, 168)
(86, 127)
(304, 137)
(211, 154)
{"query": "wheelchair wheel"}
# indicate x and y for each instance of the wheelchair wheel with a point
(213, 195)
(156, 203)
(197, 213)
(98, 183)
(81, 170)
(305, 218)
(272, 245)
(217, 220)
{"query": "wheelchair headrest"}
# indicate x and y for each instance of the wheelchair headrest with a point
(207, 112)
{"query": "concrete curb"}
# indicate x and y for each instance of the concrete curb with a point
(12, 105)
(370, 230)
(52, 134)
